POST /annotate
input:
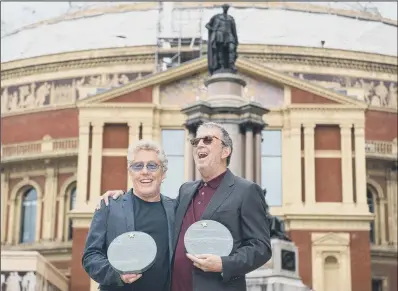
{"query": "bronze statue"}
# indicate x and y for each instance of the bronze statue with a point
(276, 229)
(222, 43)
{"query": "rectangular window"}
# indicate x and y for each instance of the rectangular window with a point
(173, 143)
(377, 285)
(271, 166)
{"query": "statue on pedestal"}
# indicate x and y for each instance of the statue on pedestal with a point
(276, 229)
(222, 43)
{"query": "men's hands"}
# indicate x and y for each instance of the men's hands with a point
(130, 278)
(207, 263)
(113, 193)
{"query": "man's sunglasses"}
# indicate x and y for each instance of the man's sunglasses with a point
(139, 166)
(208, 139)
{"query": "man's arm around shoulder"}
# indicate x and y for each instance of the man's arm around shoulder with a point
(255, 250)
(94, 259)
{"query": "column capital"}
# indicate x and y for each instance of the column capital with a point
(309, 125)
(84, 128)
(345, 125)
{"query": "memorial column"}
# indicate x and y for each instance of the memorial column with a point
(188, 157)
(249, 154)
(257, 157)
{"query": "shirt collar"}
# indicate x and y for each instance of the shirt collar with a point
(213, 183)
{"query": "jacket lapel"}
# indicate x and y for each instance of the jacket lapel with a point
(185, 200)
(222, 192)
(168, 206)
(128, 209)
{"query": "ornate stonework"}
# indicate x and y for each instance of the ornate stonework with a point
(62, 91)
(374, 92)
(188, 90)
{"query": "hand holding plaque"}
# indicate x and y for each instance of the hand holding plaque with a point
(132, 253)
(208, 237)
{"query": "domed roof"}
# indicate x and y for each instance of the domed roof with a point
(34, 29)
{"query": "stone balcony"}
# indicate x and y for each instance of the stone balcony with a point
(381, 149)
(26, 270)
(42, 149)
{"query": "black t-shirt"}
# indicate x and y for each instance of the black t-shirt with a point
(150, 217)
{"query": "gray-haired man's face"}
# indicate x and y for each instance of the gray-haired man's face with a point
(146, 173)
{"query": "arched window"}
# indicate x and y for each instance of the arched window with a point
(371, 206)
(28, 216)
(72, 204)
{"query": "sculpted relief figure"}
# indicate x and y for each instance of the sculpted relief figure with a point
(222, 42)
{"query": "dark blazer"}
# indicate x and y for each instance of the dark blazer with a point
(239, 205)
(107, 224)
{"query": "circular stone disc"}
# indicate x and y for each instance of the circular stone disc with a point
(208, 237)
(132, 252)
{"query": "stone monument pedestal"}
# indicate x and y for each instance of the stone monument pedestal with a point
(225, 105)
(280, 273)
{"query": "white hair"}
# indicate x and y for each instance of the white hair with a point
(147, 145)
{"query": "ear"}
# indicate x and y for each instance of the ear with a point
(163, 176)
(226, 151)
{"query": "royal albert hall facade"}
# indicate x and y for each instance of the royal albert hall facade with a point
(78, 87)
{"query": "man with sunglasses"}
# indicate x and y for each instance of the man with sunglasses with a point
(237, 203)
(142, 208)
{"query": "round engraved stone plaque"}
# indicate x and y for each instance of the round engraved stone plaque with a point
(208, 237)
(132, 252)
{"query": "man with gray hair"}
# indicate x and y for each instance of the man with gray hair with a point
(143, 209)
(237, 203)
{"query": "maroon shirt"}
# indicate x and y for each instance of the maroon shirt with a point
(183, 267)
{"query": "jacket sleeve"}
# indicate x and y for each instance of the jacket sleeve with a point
(255, 250)
(95, 260)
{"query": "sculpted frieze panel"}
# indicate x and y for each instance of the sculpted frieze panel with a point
(374, 92)
(62, 91)
(188, 90)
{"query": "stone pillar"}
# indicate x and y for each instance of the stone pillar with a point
(96, 160)
(295, 165)
(382, 215)
(346, 163)
(257, 157)
(188, 158)
(4, 202)
(50, 194)
(309, 163)
(360, 166)
(286, 167)
(392, 203)
(236, 165)
(133, 136)
(82, 165)
(249, 153)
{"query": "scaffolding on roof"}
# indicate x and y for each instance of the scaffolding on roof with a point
(178, 37)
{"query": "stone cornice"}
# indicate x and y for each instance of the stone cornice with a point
(146, 54)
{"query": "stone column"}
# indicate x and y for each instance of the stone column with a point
(346, 163)
(257, 156)
(82, 165)
(295, 165)
(236, 165)
(249, 154)
(188, 158)
(309, 163)
(4, 203)
(392, 202)
(360, 166)
(50, 194)
(382, 215)
(133, 136)
(96, 160)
